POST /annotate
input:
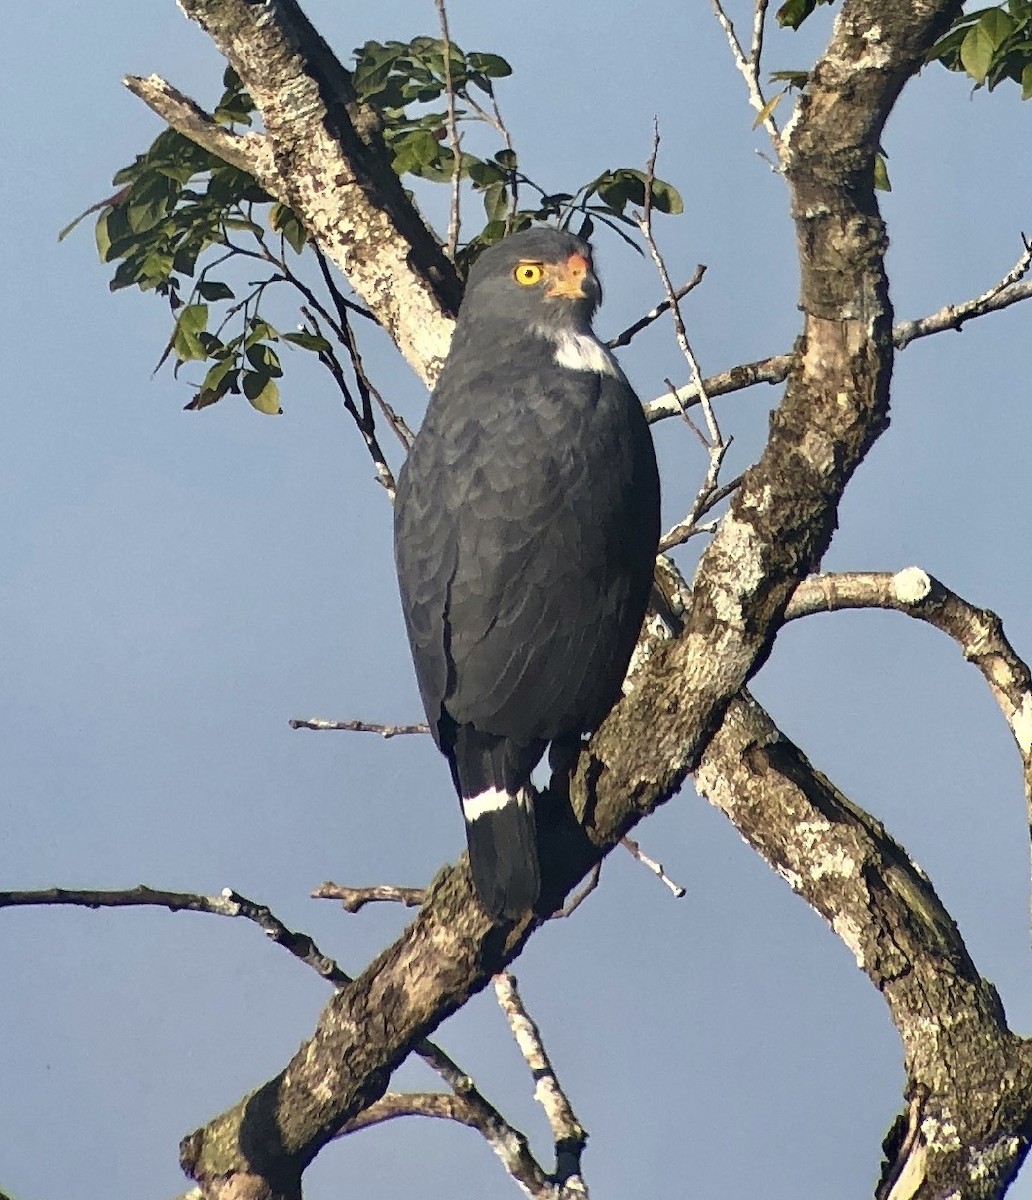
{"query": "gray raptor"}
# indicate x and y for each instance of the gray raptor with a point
(525, 533)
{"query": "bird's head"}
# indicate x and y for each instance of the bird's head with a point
(541, 279)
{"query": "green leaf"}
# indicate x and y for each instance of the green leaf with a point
(1026, 82)
(666, 198)
(264, 359)
(186, 339)
(794, 79)
(496, 202)
(262, 392)
(980, 43)
(881, 174)
(219, 381)
(308, 341)
(193, 318)
(102, 235)
(261, 331)
(483, 174)
(489, 64)
(794, 12)
(214, 289)
(285, 221)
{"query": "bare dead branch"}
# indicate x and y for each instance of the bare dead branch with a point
(707, 498)
(355, 898)
(625, 338)
(385, 731)
(508, 1143)
(716, 442)
(655, 867)
(227, 904)
(569, 1135)
(1001, 295)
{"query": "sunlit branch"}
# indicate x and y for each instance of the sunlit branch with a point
(749, 68)
(385, 731)
(569, 1135)
(355, 898)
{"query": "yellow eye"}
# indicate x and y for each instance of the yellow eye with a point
(529, 273)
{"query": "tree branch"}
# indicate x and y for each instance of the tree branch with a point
(968, 1075)
(227, 904)
(355, 898)
(569, 1134)
(977, 631)
(330, 164)
(775, 369)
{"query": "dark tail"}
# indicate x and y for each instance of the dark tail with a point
(492, 777)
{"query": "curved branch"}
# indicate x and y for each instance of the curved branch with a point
(776, 369)
(470, 1109)
(969, 1077)
(978, 632)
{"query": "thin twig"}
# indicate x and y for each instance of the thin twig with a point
(775, 369)
(575, 901)
(716, 442)
(704, 502)
(370, 392)
(624, 338)
(454, 139)
(655, 867)
(749, 68)
(355, 898)
(569, 1134)
(227, 904)
(385, 731)
(759, 23)
(363, 420)
(1006, 292)
(495, 120)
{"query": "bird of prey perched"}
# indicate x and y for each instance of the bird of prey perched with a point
(525, 533)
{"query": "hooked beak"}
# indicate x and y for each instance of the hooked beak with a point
(573, 279)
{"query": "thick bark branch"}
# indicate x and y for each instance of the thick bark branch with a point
(969, 1079)
(329, 163)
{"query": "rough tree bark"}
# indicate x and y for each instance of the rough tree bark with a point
(969, 1115)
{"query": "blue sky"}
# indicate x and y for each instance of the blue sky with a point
(175, 586)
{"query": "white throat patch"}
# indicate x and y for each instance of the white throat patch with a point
(584, 352)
